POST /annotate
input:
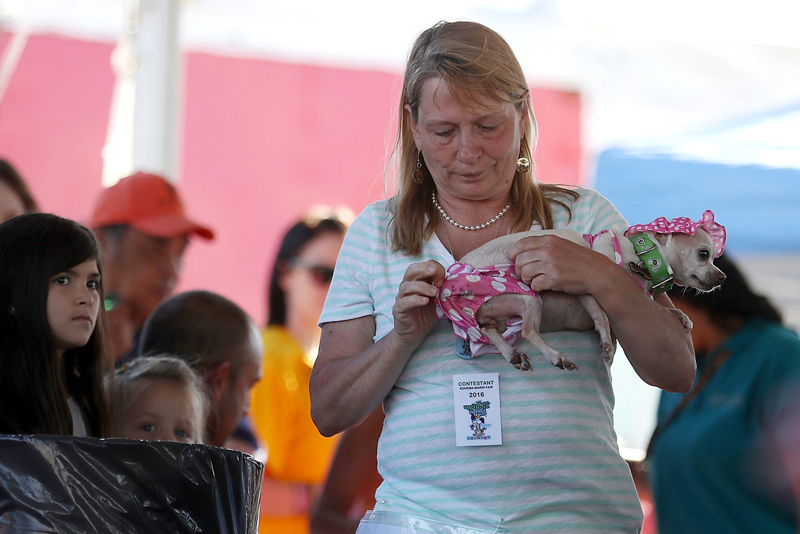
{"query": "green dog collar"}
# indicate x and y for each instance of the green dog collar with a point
(650, 259)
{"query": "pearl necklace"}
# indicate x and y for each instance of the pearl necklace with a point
(442, 215)
(490, 222)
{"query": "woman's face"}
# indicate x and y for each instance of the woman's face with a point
(73, 302)
(11, 204)
(306, 279)
(471, 152)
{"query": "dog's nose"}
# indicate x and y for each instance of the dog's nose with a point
(721, 277)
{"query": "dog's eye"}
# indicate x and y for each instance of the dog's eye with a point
(704, 255)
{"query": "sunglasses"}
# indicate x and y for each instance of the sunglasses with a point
(321, 274)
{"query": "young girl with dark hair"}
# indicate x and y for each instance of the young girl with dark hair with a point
(52, 339)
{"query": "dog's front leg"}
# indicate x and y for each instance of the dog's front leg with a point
(685, 321)
(601, 324)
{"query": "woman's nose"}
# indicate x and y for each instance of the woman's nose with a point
(468, 148)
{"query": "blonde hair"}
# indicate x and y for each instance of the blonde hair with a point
(475, 62)
(132, 380)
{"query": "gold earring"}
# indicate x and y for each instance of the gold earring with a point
(523, 163)
(418, 176)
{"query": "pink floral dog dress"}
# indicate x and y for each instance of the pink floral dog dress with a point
(465, 289)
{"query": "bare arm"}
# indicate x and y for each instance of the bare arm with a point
(352, 375)
(659, 349)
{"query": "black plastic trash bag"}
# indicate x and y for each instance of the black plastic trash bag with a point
(68, 485)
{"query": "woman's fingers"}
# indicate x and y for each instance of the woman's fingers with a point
(414, 309)
(430, 271)
(552, 263)
(423, 289)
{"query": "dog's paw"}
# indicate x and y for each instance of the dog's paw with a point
(520, 360)
(609, 349)
(684, 319)
(565, 363)
(608, 353)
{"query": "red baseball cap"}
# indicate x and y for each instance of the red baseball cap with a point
(148, 203)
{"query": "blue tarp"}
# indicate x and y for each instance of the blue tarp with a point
(758, 204)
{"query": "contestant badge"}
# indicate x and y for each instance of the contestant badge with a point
(477, 409)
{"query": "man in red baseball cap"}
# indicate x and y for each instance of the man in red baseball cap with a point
(143, 231)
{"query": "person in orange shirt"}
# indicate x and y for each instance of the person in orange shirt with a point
(298, 457)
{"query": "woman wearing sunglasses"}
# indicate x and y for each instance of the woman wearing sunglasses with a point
(298, 456)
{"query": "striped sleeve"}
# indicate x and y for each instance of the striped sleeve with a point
(350, 295)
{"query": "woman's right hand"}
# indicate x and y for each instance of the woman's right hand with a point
(414, 308)
(352, 374)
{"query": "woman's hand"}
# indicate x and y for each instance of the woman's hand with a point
(657, 346)
(353, 374)
(551, 263)
(414, 308)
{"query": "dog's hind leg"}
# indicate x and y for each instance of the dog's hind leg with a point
(601, 324)
(516, 358)
(531, 320)
(531, 333)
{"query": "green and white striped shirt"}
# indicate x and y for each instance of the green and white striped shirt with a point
(558, 469)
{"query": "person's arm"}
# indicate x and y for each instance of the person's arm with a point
(352, 374)
(659, 349)
(349, 489)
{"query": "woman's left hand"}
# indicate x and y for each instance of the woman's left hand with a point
(551, 263)
(658, 348)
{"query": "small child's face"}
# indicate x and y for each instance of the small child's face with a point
(163, 411)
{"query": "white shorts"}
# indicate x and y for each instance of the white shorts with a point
(394, 523)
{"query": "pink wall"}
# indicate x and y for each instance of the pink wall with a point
(262, 142)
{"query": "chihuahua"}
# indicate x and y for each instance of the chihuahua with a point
(488, 303)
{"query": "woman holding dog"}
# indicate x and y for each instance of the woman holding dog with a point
(726, 455)
(465, 138)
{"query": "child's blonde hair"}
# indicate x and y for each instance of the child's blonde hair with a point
(132, 379)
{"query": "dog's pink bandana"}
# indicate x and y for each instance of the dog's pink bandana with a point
(465, 289)
(684, 225)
